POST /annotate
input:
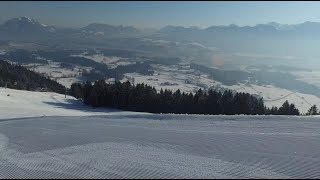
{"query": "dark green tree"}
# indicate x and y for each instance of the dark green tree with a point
(313, 110)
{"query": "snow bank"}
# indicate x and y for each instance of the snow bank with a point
(18, 103)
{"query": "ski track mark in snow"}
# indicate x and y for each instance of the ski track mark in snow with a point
(160, 146)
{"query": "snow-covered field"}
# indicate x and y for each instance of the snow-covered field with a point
(274, 96)
(174, 77)
(64, 76)
(53, 70)
(111, 61)
(67, 76)
(160, 146)
(34, 104)
(181, 77)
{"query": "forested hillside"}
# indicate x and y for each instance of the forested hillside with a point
(144, 98)
(18, 77)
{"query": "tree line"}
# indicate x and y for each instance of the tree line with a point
(144, 98)
(18, 77)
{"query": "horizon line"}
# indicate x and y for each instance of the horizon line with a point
(191, 26)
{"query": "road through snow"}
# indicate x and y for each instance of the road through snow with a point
(160, 146)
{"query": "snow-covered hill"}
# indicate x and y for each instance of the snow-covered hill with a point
(275, 96)
(18, 104)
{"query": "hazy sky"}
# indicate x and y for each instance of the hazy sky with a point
(159, 14)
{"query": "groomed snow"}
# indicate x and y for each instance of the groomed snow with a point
(160, 146)
(21, 103)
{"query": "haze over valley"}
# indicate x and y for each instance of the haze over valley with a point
(255, 59)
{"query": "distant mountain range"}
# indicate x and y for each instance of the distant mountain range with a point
(271, 38)
(27, 25)
(269, 27)
(105, 28)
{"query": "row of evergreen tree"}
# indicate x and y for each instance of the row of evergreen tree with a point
(313, 110)
(18, 77)
(144, 98)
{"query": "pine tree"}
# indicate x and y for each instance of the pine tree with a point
(76, 90)
(284, 109)
(288, 109)
(313, 110)
(293, 110)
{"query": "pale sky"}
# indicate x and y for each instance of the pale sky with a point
(159, 14)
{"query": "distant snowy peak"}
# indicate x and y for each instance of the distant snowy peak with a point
(27, 19)
(282, 27)
(268, 27)
(98, 28)
(309, 27)
(20, 21)
(306, 26)
(26, 24)
(170, 28)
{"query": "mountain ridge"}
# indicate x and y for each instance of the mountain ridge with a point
(273, 24)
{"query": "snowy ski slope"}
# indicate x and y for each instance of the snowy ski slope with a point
(75, 141)
(160, 146)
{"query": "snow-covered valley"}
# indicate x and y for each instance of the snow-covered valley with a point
(188, 80)
(173, 76)
(75, 65)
